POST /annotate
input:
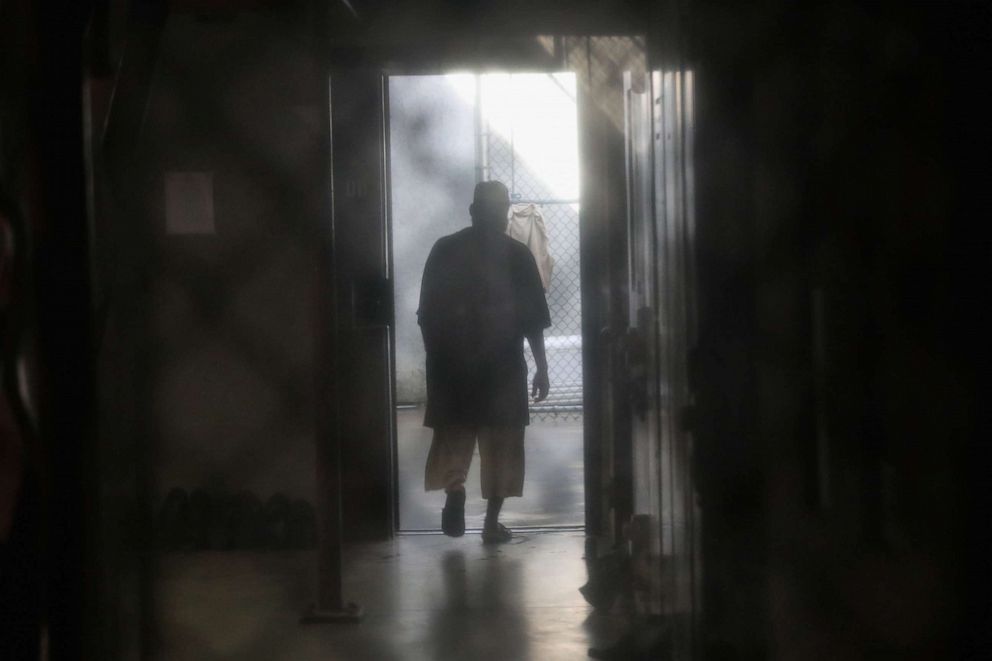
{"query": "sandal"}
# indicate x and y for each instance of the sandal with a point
(500, 535)
(453, 514)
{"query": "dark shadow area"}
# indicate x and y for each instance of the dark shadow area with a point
(195, 340)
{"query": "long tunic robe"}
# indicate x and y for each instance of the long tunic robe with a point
(480, 296)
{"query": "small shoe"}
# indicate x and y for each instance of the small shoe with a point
(498, 535)
(453, 514)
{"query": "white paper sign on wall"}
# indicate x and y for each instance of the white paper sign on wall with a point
(189, 203)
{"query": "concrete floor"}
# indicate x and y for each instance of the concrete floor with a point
(426, 597)
(553, 486)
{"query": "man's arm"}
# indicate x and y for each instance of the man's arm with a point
(540, 385)
(427, 310)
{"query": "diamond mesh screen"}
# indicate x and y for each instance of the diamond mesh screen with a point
(563, 340)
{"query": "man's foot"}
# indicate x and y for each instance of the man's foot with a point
(498, 534)
(453, 514)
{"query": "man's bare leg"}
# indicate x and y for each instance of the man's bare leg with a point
(493, 507)
(453, 514)
(492, 531)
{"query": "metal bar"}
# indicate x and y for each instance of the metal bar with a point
(558, 84)
(481, 136)
(330, 606)
(513, 152)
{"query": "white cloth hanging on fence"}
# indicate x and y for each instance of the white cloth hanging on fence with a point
(526, 225)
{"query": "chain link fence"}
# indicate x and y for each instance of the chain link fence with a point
(563, 341)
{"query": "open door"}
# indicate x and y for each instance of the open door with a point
(447, 132)
(355, 346)
(660, 336)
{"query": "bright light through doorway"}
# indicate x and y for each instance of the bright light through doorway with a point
(537, 112)
(447, 132)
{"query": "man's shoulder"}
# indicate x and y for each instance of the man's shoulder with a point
(451, 240)
(455, 241)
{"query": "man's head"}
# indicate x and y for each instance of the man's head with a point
(490, 205)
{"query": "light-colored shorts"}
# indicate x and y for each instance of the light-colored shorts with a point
(501, 451)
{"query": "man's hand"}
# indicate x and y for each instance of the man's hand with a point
(536, 341)
(541, 386)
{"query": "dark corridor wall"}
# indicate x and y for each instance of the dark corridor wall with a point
(231, 312)
(836, 360)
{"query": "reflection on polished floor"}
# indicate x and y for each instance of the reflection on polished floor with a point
(426, 598)
(553, 485)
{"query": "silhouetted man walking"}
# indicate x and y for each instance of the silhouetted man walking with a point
(480, 297)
